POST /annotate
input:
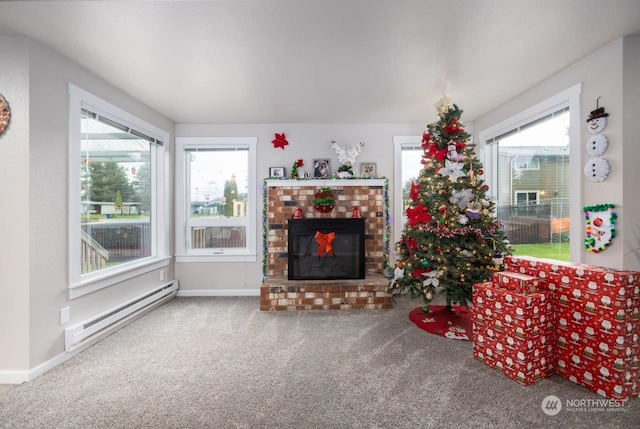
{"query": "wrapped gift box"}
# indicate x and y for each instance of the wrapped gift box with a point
(513, 332)
(564, 272)
(524, 361)
(517, 282)
(597, 326)
(617, 301)
(608, 374)
(601, 353)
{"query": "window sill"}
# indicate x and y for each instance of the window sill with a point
(94, 282)
(217, 258)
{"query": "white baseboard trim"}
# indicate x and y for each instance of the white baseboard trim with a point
(50, 364)
(19, 377)
(226, 292)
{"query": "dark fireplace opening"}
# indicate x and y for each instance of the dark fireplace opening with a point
(326, 249)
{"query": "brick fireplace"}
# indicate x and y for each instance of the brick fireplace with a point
(282, 197)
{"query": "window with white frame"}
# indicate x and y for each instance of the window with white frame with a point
(529, 167)
(116, 184)
(408, 153)
(216, 194)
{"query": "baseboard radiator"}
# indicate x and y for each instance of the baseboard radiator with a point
(108, 321)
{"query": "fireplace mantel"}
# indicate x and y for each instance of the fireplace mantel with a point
(320, 183)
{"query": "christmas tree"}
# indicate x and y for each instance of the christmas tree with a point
(451, 239)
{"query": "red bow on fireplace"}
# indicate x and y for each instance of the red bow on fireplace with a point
(324, 242)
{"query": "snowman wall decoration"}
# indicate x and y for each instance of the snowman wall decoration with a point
(597, 168)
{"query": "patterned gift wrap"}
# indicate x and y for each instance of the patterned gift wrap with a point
(514, 332)
(516, 282)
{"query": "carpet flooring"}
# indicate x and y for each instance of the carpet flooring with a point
(218, 362)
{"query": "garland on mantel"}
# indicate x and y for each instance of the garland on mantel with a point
(302, 179)
(265, 206)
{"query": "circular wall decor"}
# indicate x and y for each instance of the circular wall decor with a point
(597, 145)
(597, 169)
(5, 114)
(597, 125)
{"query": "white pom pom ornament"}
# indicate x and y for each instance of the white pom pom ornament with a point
(597, 169)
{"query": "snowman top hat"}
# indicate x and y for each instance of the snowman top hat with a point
(598, 113)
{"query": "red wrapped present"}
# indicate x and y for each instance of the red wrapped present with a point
(513, 332)
(516, 282)
(598, 350)
(609, 375)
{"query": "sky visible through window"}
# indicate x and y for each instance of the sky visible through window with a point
(211, 169)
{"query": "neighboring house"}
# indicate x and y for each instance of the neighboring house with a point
(533, 196)
(97, 207)
(211, 208)
(534, 175)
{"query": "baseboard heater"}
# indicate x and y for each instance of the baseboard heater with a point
(114, 318)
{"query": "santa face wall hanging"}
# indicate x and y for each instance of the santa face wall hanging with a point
(601, 231)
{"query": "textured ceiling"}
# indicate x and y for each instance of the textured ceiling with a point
(312, 61)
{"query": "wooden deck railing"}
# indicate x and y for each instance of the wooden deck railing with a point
(92, 255)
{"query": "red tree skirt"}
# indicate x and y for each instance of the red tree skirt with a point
(455, 326)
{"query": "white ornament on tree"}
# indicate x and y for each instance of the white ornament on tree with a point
(452, 169)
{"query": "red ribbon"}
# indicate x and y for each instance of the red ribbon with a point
(324, 242)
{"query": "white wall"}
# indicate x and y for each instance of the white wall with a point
(631, 160)
(601, 74)
(14, 215)
(35, 232)
(306, 141)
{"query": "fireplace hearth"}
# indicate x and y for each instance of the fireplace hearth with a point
(326, 249)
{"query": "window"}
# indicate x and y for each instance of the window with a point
(407, 159)
(529, 165)
(117, 210)
(216, 191)
(525, 198)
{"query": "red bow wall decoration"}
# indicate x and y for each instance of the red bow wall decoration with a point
(280, 141)
(324, 243)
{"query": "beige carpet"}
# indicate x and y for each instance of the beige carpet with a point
(221, 363)
(4, 388)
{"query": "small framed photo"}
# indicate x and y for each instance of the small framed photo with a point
(321, 168)
(368, 169)
(276, 172)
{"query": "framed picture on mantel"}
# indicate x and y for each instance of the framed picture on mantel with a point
(368, 169)
(276, 172)
(321, 168)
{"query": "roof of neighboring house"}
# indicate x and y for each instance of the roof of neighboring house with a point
(534, 151)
